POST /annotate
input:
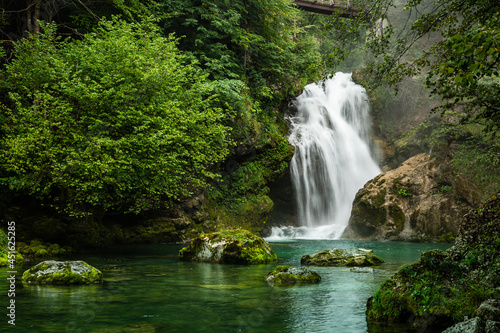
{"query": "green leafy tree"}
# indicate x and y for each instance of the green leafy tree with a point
(454, 43)
(116, 122)
(248, 40)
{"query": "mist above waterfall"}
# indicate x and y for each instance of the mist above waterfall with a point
(333, 159)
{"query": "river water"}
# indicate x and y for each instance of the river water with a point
(148, 289)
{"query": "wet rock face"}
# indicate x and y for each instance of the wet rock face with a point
(62, 272)
(443, 288)
(288, 275)
(342, 257)
(229, 247)
(418, 201)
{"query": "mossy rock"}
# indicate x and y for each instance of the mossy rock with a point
(4, 251)
(342, 257)
(288, 275)
(62, 273)
(38, 249)
(229, 247)
(443, 287)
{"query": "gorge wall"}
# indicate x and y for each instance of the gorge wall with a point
(422, 200)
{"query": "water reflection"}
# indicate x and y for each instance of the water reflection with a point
(148, 289)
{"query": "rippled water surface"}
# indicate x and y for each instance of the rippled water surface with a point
(147, 289)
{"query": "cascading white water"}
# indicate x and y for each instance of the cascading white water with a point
(332, 160)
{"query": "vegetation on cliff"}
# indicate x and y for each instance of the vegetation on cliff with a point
(439, 56)
(147, 109)
(444, 287)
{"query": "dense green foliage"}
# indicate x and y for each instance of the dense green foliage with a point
(243, 40)
(473, 153)
(145, 109)
(453, 43)
(116, 121)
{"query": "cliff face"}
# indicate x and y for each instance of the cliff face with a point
(420, 200)
(444, 287)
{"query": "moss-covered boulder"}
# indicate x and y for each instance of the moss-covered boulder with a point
(288, 275)
(62, 272)
(342, 257)
(443, 288)
(229, 247)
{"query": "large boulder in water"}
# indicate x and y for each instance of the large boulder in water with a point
(419, 201)
(342, 257)
(229, 247)
(62, 272)
(288, 275)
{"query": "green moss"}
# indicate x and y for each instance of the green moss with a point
(445, 238)
(286, 275)
(52, 272)
(229, 246)
(342, 257)
(250, 214)
(4, 251)
(379, 198)
(365, 219)
(38, 249)
(444, 286)
(41, 253)
(377, 181)
(398, 216)
(387, 306)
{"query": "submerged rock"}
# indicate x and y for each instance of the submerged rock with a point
(287, 275)
(229, 247)
(138, 328)
(342, 257)
(361, 270)
(62, 272)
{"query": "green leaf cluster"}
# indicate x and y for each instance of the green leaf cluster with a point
(117, 121)
(256, 41)
(453, 44)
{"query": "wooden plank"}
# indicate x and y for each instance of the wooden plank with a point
(327, 7)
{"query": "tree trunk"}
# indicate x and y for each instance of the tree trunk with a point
(36, 23)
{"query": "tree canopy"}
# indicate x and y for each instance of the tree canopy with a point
(453, 43)
(123, 106)
(118, 121)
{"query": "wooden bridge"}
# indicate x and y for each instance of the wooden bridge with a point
(346, 7)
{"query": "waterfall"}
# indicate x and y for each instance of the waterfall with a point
(333, 159)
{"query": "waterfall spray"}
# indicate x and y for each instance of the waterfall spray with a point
(332, 160)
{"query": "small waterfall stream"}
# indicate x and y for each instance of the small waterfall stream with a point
(332, 160)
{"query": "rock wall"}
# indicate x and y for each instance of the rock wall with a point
(419, 201)
(444, 288)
